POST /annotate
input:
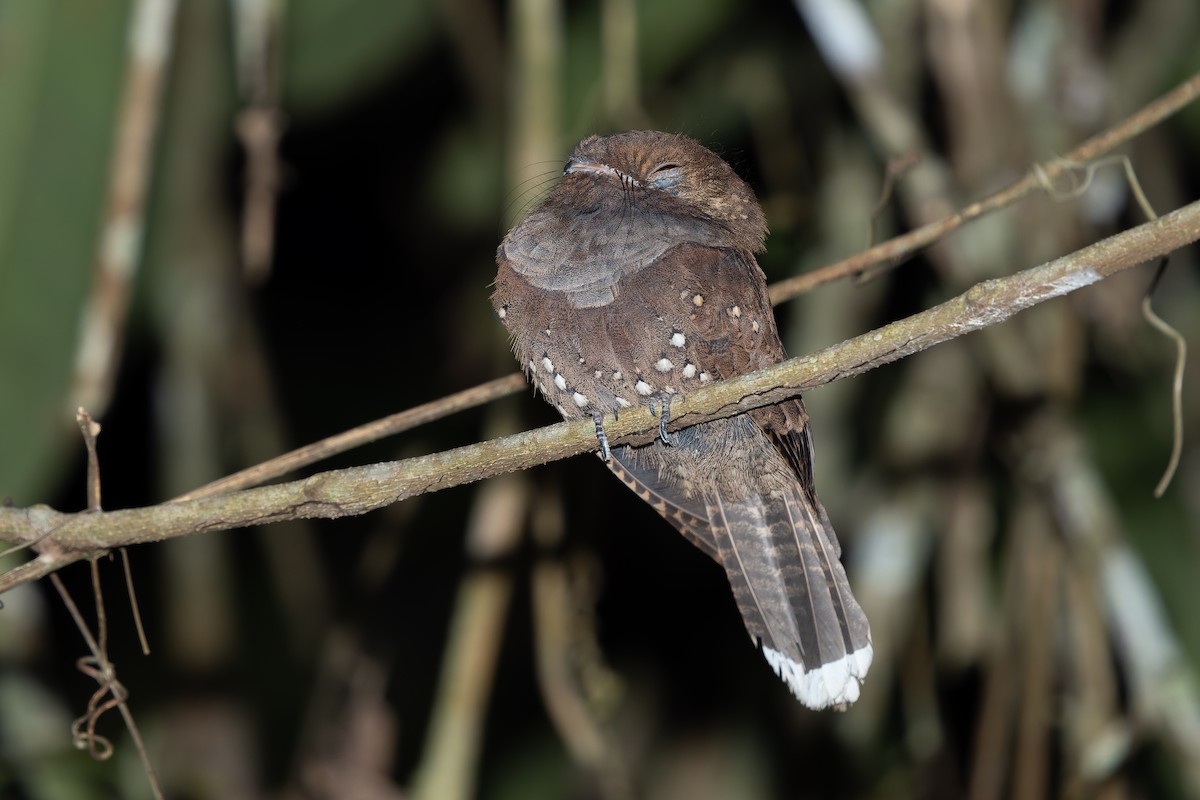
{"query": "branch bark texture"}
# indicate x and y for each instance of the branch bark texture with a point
(62, 538)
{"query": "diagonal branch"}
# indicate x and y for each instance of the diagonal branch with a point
(888, 254)
(1039, 177)
(357, 490)
(363, 434)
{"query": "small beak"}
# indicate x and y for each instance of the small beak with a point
(580, 165)
(596, 169)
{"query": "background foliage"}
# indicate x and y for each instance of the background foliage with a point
(546, 635)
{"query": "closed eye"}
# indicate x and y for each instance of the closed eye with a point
(666, 176)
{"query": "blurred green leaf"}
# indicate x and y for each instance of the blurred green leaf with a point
(63, 63)
(338, 49)
(672, 32)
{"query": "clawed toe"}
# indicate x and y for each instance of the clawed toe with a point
(601, 436)
(663, 418)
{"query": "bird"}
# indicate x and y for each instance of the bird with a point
(634, 281)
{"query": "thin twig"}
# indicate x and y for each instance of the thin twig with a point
(44, 564)
(1148, 312)
(896, 167)
(363, 434)
(901, 246)
(134, 607)
(1177, 385)
(98, 746)
(101, 613)
(1089, 170)
(90, 430)
(98, 666)
(357, 490)
(99, 669)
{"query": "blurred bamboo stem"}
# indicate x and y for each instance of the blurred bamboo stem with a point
(1163, 691)
(621, 79)
(258, 25)
(996, 722)
(449, 767)
(120, 244)
(537, 48)
(358, 490)
(1096, 740)
(1040, 564)
(563, 643)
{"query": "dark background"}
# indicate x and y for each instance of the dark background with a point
(984, 490)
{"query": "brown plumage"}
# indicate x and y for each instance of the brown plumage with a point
(635, 280)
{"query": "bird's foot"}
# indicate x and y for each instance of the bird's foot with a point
(601, 436)
(663, 418)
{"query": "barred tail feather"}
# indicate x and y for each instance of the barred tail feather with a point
(781, 558)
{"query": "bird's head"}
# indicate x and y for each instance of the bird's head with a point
(672, 172)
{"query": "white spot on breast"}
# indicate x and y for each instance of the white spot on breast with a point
(622, 402)
(560, 382)
(698, 300)
(547, 331)
(735, 311)
(689, 370)
(532, 366)
(683, 295)
(617, 375)
(502, 312)
(547, 364)
(541, 387)
(754, 326)
(664, 365)
(597, 374)
(643, 388)
(580, 400)
(581, 361)
(678, 339)
(705, 377)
